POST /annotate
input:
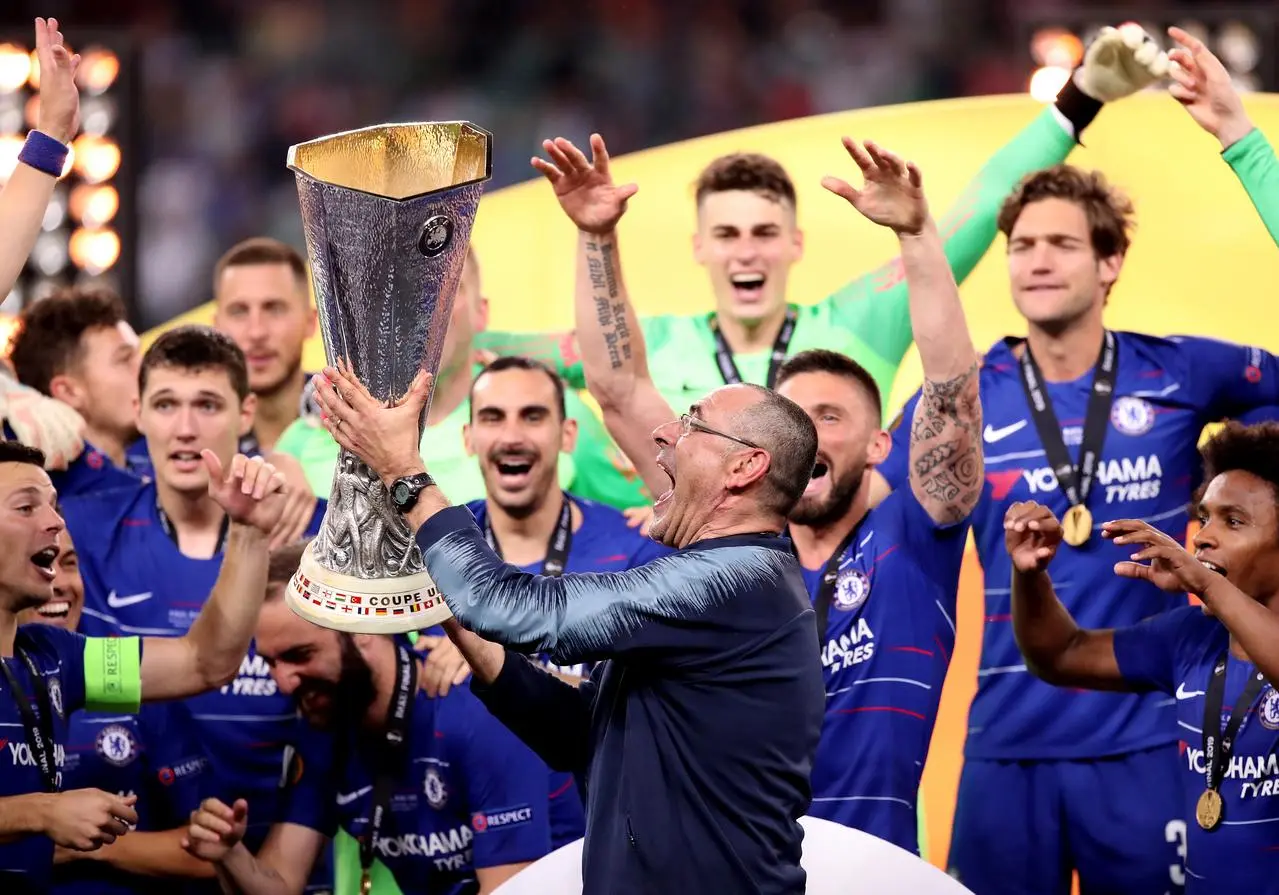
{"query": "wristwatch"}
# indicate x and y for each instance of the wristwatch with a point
(407, 489)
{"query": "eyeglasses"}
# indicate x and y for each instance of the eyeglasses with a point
(688, 422)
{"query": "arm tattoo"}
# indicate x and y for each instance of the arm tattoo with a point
(610, 310)
(945, 451)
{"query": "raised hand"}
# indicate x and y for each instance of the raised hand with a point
(1120, 62)
(1031, 536)
(59, 115)
(1171, 568)
(585, 188)
(1203, 87)
(385, 437)
(87, 819)
(892, 195)
(252, 491)
(215, 829)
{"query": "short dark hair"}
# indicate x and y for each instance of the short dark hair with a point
(285, 560)
(48, 340)
(822, 360)
(1108, 210)
(749, 171)
(260, 250)
(518, 362)
(781, 427)
(1236, 447)
(195, 347)
(17, 452)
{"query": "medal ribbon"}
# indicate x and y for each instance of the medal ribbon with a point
(1075, 480)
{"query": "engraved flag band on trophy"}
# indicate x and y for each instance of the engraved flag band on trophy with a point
(387, 213)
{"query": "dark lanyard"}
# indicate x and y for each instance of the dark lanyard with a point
(557, 547)
(1075, 480)
(830, 577)
(39, 730)
(394, 758)
(1218, 744)
(173, 532)
(724, 354)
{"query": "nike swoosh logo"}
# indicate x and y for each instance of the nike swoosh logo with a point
(120, 602)
(347, 798)
(1182, 693)
(992, 434)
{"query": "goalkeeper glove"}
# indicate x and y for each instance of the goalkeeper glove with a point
(1120, 62)
(42, 422)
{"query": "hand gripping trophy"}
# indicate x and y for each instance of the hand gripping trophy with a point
(387, 212)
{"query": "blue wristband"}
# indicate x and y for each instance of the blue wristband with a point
(44, 153)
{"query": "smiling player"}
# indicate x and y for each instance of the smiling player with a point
(1219, 664)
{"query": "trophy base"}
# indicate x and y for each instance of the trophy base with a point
(364, 605)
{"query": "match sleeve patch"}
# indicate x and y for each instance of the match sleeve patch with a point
(113, 674)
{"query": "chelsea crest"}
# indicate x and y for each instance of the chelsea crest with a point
(852, 587)
(1268, 710)
(436, 793)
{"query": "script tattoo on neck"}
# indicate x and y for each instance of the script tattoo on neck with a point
(946, 468)
(610, 308)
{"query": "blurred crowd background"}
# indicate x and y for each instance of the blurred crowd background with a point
(193, 104)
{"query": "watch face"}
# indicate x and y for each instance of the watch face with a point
(399, 492)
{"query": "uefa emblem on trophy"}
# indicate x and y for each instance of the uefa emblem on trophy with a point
(387, 212)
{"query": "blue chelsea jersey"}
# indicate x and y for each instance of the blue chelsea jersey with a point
(137, 582)
(154, 755)
(890, 633)
(1175, 654)
(26, 865)
(473, 795)
(1166, 391)
(603, 543)
(90, 473)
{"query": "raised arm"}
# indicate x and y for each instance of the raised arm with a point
(614, 359)
(875, 306)
(26, 196)
(209, 654)
(1203, 87)
(1056, 649)
(946, 469)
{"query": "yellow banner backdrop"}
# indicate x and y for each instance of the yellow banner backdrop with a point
(1201, 263)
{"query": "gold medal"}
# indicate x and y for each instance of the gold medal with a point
(1208, 809)
(366, 883)
(1077, 525)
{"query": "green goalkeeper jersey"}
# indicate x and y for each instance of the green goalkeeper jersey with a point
(868, 319)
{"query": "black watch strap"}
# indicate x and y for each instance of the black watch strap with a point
(406, 490)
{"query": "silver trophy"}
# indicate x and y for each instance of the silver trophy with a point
(387, 212)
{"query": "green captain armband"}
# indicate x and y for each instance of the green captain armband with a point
(112, 674)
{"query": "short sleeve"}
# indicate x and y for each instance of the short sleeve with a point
(1146, 652)
(1228, 379)
(896, 467)
(310, 781)
(179, 772)
(507, 788)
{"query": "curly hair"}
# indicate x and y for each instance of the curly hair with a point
(1239, 448)
(1108, 210)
